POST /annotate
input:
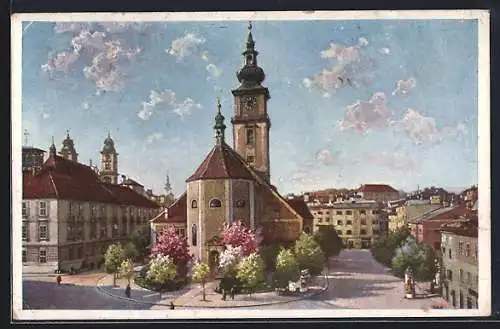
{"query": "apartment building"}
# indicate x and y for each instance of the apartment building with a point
(357, 221)
(459, 247)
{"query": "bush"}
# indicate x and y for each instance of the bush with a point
(287, 269)
(268, 254)
(171, 285)
(309, 255)
(384, 249)
(328, 240)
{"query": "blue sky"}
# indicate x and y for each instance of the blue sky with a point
(352, 102)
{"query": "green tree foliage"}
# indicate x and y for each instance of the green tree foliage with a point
(287, 268)
(309, 254)
(127, 270)
(113, 259)
(384, 249)
(130, 251)
(268, 254)
(161, 270)
(421, 258)
(200, 274)
(328, 240)
(250, 271)
(141, 239)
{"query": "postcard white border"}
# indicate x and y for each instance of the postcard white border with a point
(484, 251)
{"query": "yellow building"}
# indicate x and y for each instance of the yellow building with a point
(409, 210)
(357, 221)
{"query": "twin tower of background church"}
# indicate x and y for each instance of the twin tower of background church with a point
(231, 183)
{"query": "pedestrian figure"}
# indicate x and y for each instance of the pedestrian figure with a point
(224, 294)
(172, 306)
(58, 279)
(127, 291)
(233, 292)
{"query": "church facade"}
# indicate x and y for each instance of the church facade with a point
(233, 183)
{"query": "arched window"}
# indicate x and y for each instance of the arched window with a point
(215, 203)
(194, 235)
(194, 204)
(250, 136)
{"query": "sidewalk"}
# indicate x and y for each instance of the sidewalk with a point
(191, 295)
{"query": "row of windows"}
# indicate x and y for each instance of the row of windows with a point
(349, 232)
(470, 301)
(77, 209)
(348, 222)
(43, 231)
(461, 252)
(347, 212)
(463, 277)
(216, 203)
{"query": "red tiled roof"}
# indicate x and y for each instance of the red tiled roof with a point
(462, 227)
(176, 212)
(61, 178)
(221, 162)
(376, 188)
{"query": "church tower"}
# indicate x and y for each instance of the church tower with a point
(250, 120)
(68, 149)
(109, 162)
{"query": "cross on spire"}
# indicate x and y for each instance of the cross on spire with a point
(67, 133)
(250, 25)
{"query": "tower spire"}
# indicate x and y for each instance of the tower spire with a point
(26, 135)
(250, 75)
(219, 126)
(53, 147)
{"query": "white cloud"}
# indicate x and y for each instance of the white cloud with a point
(86, 105)
(61, 62)
(348, 67)
(363, 116)
(204, 56)
(156, 98)
(105, 73)
(185, 107)
(46, 116)
(167, 98)
(325, 157)
(90, 41)
(63, 27)
(424, 131)
(403, 87)
(213, 71)
(119, 27)
(185, 46)
(385, 50)
(154, 137)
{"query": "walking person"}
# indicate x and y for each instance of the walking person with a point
(128, 291)
(233, 292)
(58, 279)
(172, 306)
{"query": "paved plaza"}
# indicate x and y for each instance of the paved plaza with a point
(355, 281)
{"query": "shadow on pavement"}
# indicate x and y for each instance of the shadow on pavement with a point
(49, 295)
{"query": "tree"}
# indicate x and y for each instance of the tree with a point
(229, 258)
(200, 274)
(141, 238)
(309, 254)
(127, 270)
(421, 258)
(384, 249)
(268, 254)
(328, 240)
(250, 271)
(130, 251)
(173, 245)
(113, 259)
(287, 268)
(161, 270)
(238, 235)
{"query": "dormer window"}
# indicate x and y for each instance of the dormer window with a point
(215, 203)
(194, 204)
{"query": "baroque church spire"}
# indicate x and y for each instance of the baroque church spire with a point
(219, 126)
(250, 75)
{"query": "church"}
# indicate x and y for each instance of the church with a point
(234, 183)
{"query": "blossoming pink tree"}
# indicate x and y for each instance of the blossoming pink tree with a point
(170, 244)
(237, 235)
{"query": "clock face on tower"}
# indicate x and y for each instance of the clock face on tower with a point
(249, 103)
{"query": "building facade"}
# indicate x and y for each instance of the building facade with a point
(409, 211)
(459, 245)
(357, 221)
(32, 158)
(70, 216)
(378, 192)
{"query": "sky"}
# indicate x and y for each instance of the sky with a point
(352, 101)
